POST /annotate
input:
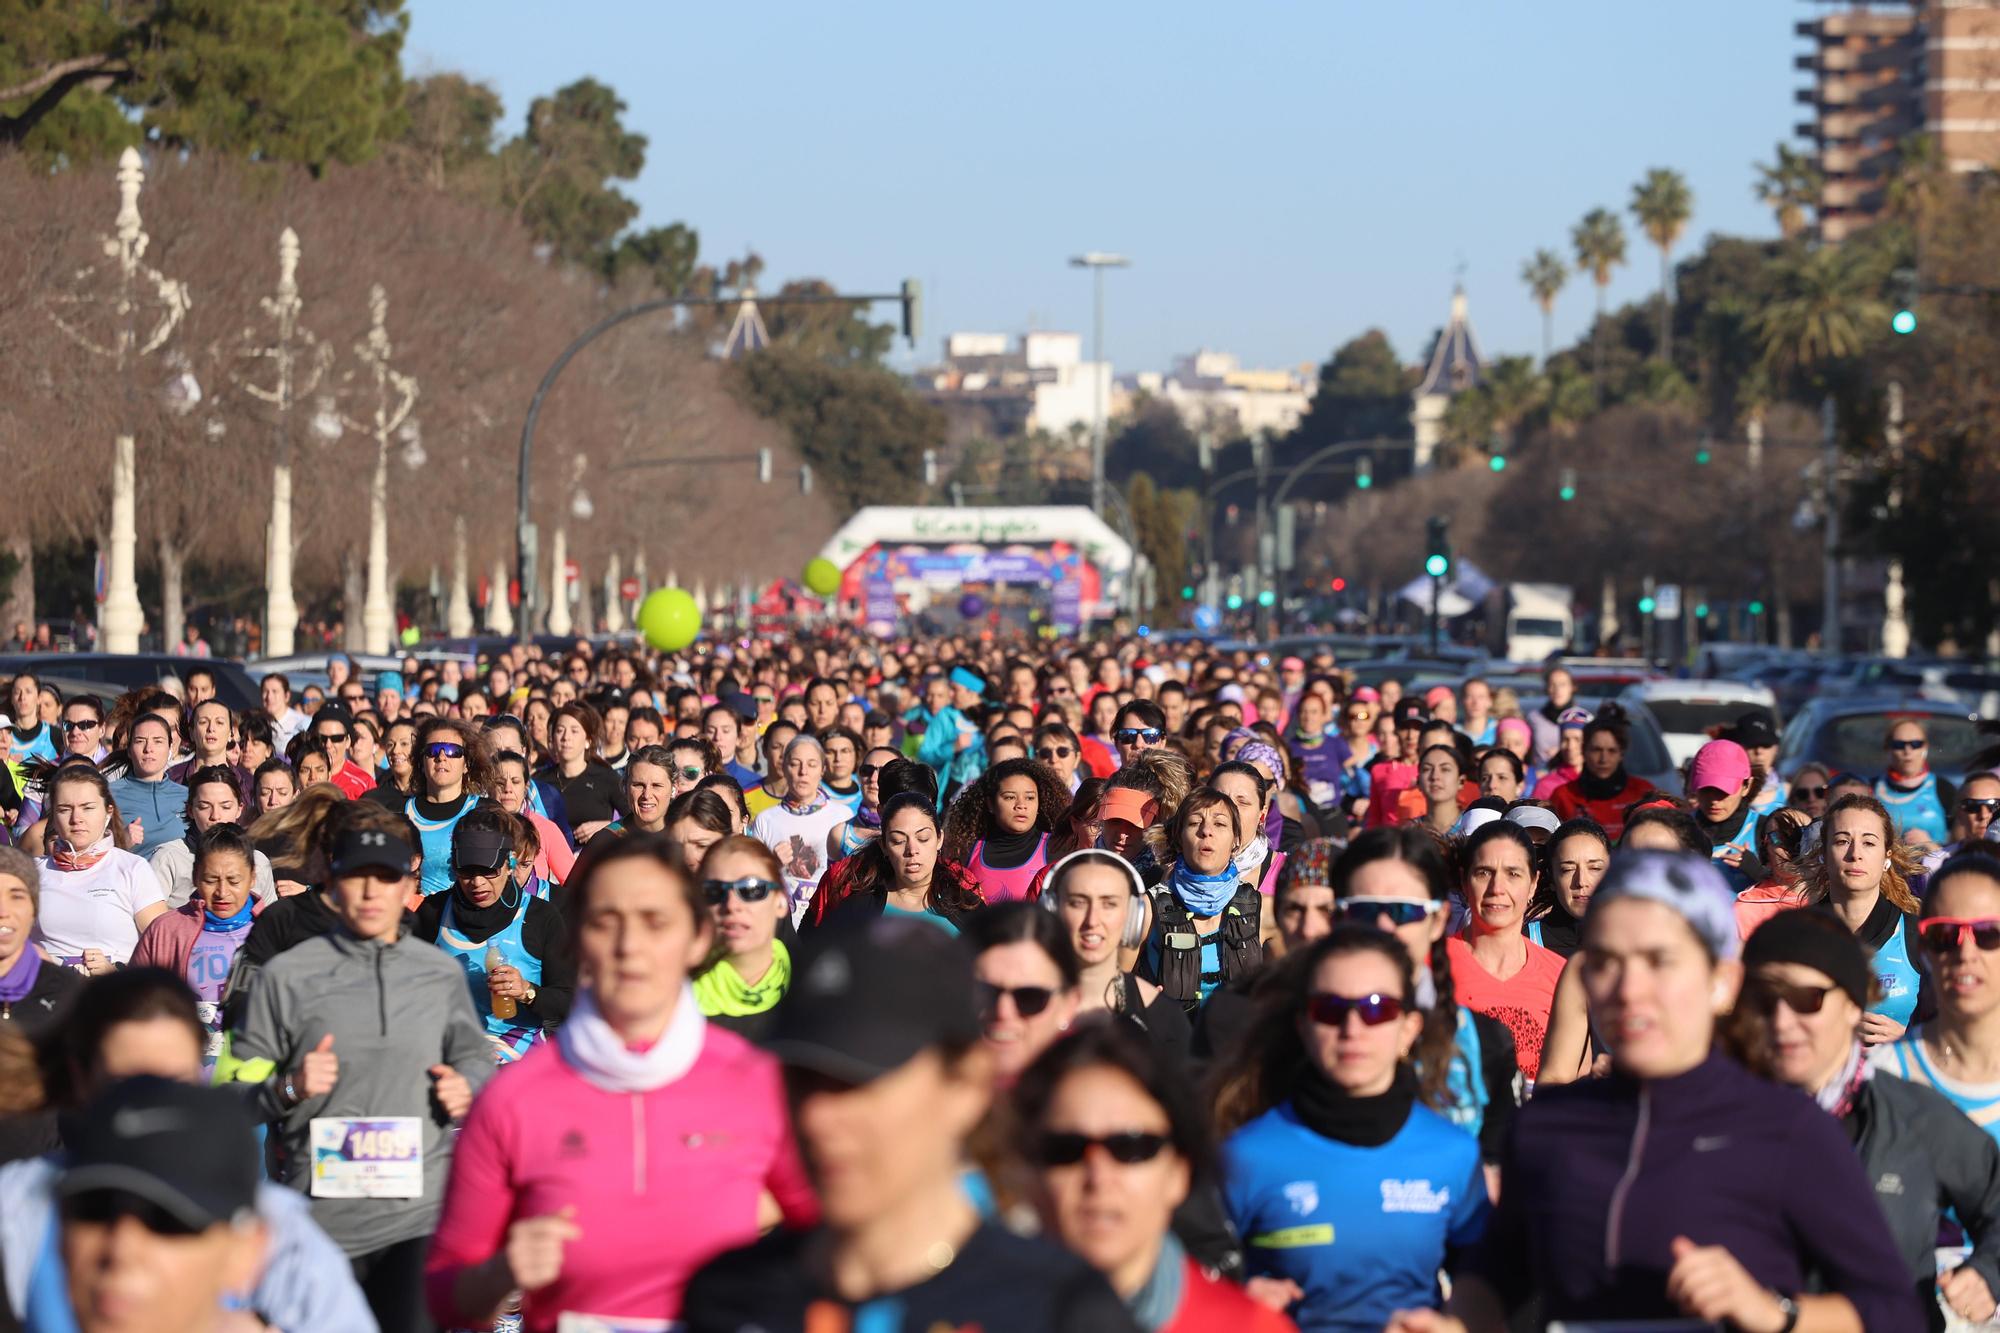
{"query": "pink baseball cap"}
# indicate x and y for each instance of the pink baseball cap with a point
(1512, 726)
(1722, 765)
(1367, 694)
(1292, 664)
(1437, 694)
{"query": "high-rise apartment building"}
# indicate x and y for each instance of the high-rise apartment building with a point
(1882, 72)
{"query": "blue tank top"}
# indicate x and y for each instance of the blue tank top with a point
(850, 843)
(1534, 933)
(436, 837)
(1898, 973)
(1467, 1082)
(1906, 1059)
(511, 1037)
(1917, 808)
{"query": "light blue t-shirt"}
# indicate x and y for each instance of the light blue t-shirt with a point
(1362, 1230)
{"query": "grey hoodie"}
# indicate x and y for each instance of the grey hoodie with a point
(393, 1010)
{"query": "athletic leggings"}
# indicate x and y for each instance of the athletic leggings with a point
(392, 1280)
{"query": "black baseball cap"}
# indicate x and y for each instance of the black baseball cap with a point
(741, 704)
(870, 998)
(876, 719)
(371, 849)
(1411, 713)
(189, 1151)
(1753, 728)
(482, 849)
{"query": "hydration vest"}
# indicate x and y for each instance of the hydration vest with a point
(1915, 808)
(1897, 971)
(436, 838)
(511, 1037)
(1174, 949)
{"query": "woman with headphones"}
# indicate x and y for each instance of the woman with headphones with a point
(1100, 901)
(511, 944)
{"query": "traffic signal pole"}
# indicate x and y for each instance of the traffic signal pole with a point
(1437, 584)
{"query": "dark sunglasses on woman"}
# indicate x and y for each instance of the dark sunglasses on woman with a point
(1367, 911)
(444, 750)
(1128, 1148)
(1028, 1000)
(1331, 1011)
(1948, 934)
(750, 889)
(1763, 997)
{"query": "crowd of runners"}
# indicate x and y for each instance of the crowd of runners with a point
(828, 984)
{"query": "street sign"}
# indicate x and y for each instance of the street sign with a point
(572, 571)
(628, 588)
(1667, 602)
(1207, 619)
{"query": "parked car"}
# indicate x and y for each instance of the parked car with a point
(1685, 710)
(1646, 753)
(1847, 734)
(115, 673)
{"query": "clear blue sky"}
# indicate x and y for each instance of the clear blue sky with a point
(1283, 175)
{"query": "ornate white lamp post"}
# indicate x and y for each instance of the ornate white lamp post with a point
(395, 395)
(135, 283)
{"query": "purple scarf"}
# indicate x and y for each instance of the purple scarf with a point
(20, 978)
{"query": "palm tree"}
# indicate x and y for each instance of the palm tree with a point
(1599, 240)
(1662, 203)
(1545, 275)
(1788, 186)
(1822, 307)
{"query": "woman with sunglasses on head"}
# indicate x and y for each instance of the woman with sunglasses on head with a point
(1500, 971)
(1101, 903)
(750, 970)
(691, 759)
(1682, 1186)
(999, 826)
(1118, 1144)
(510, 943)
(1806, 986)
(456, 773)
(1207, 920)
(1347, 1190)
(513, 790)
(615, 1159)
(865, 824)
(1860, 872)
(1957, 1050)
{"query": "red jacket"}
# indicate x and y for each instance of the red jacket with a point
(1209, 1303)
(1569, 802)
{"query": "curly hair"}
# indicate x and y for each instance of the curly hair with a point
(971, 817)
(478, 754)
(1815, 873)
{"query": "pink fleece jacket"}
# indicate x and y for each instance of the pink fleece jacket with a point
(661, 1182)
(170, 939)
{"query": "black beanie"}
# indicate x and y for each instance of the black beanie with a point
(1815, 939)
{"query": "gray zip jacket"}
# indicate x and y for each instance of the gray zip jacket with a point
(393, 1010)
(1922, 1156)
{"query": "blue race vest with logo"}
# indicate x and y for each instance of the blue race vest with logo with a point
(511, 1036)
(1917, 808)
(1897, 971)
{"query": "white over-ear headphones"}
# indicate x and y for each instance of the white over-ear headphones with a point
(1134, 933)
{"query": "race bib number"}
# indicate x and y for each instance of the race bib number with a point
(1322, 793)
(211, 1017)
(592, 1323)
(368, 1159)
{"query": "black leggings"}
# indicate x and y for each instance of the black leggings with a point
(392, 1280)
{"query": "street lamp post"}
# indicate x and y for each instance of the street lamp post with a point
(1895, 623)
(1097, 261)
(121, 619)
(300, 361)
(395, 395)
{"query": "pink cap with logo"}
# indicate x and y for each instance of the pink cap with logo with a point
(1722, 765)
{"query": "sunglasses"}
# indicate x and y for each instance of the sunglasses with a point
(750, 889)
(1331, 1011)
(479, 872)
(1129, 735)
(1813, 793)
(1764, 997)
(81, 724)
(1051, 752)
(1947, 934)
(444, 750)
(690, 774)
(1128, 1148)
(330, 736)
(1973, 805)
(1028, 1000)
(765, 698)
(870, 770)
(105, 1207)
(1908, 745)
(1401, 911)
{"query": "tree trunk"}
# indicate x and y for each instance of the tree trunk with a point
(17, 597)
(173, 614)
(1548, 332)
(1597, 347)
(353, 593)
(1666, 309)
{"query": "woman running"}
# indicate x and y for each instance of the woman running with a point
(96, 897)
(1347, 1190)
(750, 968)
(512, 791)
(902, 874)
(999, 826)
(456, 773)
(588, 785)
(35, 994)
(796, 828)
(199, 942)
(1861, 872)
(612, 1162)
(213, 798)
(865, 824)
(1257, 859)
(1207, 921)
(1577, 855)
(1102, 903)
(1026, 978)
(1500, 972)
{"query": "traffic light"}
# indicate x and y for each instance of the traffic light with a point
(1903, 299)
(1702, 455)
(1234, 602)
(1267, 598)
(1701, 610)
(1338, 585)
(1364, 473)
(913, 310)
(1187, 592)
(1756, 608)
(1566, 484)
(1498, 462)
(1437, 543)
(1646, 605)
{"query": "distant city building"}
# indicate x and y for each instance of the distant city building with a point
(1882, 72)
(1455, 367)
(992, 387)
(1212, 391)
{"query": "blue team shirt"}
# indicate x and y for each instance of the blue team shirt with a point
(1362, 1230)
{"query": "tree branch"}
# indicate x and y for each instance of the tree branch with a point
(97, 62)
(56, 83)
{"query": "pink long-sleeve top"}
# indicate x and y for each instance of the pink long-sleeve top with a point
(660, 1182)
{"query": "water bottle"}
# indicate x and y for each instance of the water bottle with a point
(503, 1005)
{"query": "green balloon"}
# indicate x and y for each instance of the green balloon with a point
(822, 576)
(669, 619)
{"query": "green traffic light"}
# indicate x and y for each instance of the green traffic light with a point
(1187, 592)
(1904, 321)
(1702, 456)
(1701, 610)
(1362, 481)
(1646, 605)
(1437, 566)
(1267, 598)
(1234, 602)
(1498, 462)
(1756, 608)
(1567, 493)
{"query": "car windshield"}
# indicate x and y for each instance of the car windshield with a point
(1854, 743)
(1692, 717)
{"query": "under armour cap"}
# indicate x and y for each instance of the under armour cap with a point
(190, 1151)
(482, 849)
(868, 999)
(371, 849)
